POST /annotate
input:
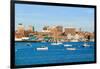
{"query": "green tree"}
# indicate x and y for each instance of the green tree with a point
(45, 28)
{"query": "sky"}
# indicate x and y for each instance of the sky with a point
(43, 15)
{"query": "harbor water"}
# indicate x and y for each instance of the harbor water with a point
(27, 53)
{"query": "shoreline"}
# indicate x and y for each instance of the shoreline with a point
(53, 42)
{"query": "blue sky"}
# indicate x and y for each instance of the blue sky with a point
(41, 15)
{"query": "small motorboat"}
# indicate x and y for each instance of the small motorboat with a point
(42, 48)
(86, 45)
(67, 45)
(29, 44)
(70, 48)
(58, 43)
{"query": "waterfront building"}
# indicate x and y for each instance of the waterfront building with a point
(76, 37)
(53, 31)
(20, 31)
(69, 37)
(59, 28)
(18, 35)
(70, 30)
(27, 33)
(46, 29)
(20, 28)
(31, 28)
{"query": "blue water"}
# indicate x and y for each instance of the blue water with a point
(28, 55)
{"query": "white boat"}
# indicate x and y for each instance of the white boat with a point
(42, 48)
(66, 45)
(85, 45)
(58, 43)
(70, 48)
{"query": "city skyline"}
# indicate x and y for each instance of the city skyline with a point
(26, 28)
(40, 16)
